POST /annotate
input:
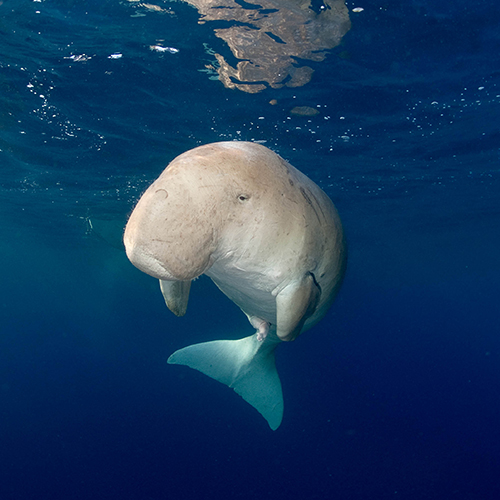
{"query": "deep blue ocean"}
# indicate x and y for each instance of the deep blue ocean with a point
(394, 395)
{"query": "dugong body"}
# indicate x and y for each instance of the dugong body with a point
(267, 236)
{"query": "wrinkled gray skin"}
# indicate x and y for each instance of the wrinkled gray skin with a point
(268, 237)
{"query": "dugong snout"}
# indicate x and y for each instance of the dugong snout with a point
(146, 253)
(145, 261)
(166, 237)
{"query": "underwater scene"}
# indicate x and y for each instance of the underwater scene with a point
(361, 338)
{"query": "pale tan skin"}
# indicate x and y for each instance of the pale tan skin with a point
(269, 237)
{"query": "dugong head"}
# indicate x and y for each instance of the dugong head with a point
(176, 227)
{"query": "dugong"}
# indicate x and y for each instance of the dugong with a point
(267, 236)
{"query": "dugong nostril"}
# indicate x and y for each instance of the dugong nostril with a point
(163, 191)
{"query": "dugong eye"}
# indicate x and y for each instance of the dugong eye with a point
(243, 197)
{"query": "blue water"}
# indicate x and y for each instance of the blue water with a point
(394, 395)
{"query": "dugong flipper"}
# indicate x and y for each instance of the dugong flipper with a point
(176, 295)
(266, 235)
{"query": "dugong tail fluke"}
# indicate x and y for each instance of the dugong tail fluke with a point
(247, 365)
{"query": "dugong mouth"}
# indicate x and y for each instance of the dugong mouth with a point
(146, 261)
